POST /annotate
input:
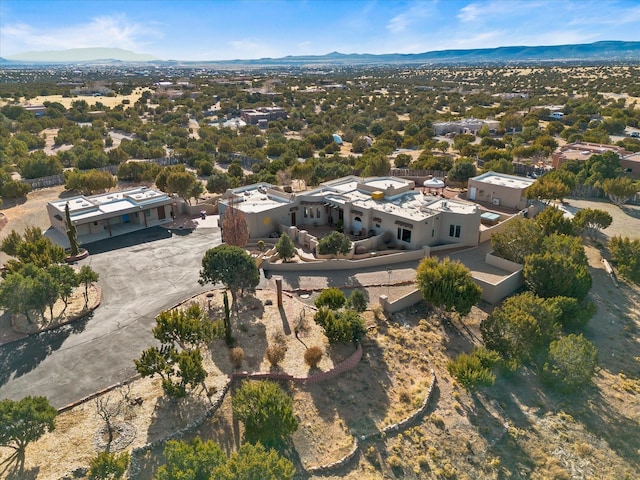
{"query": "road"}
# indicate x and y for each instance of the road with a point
(141, 274)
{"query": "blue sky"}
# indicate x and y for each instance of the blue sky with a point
(244, 29)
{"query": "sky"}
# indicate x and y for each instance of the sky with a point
(251, 29)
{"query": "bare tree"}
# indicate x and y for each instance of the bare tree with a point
(234, 226)
(110, 407)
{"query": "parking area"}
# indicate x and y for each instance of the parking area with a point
(141, 274)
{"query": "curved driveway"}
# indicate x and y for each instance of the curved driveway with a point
(141, 274)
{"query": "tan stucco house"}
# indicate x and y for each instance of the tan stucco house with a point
(363, 207)
(500, 189)
(113, 213)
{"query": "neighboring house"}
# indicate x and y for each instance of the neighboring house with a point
(631, 164)
(364, 207)
(500, 189)
(556, 115)
(110, 214)
(581, 151)
(262, 115)
(37, 109)
(467, 125)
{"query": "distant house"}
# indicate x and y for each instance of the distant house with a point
(262, 115)
(500, 189)
(110, 214)
(556, 115)
(469, 125)
(581, 151)
(37, 109)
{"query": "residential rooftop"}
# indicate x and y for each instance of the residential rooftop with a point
(494, 178)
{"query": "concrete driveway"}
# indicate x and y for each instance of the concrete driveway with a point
(141, 274)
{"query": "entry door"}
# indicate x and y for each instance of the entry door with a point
(293, 219)
(472, 193)
(161, 213)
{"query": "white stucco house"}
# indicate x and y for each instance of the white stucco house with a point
(114, 213)
(362, 207)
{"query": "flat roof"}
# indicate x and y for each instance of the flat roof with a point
(84, 207)
(256, 198)
(408, 204)
(494, 178)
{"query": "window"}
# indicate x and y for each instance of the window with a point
(377, 225)
(318, 212)
(311, 212)
(404, 235)
(306, 212)
(147, 213)
(454, 231)
(433, 232)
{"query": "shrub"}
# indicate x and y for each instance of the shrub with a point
(312, 356)
(334, 243)
(266, 411)
(341, 327)
(332, 298)
(285, 247)
(474, 370)
(395, 461)
(626, 255)
(571, 363)
(108, 466)
(275, 354)
(357, 301)
(14, 189)
(236, 355)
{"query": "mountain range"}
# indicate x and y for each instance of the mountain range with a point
(606, 51)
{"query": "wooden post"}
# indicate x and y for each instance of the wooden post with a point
(279, 290)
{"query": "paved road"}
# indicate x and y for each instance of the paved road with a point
(142, 274)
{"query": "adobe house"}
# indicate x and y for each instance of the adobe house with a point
(500, 189)
(362, 207)
(114, 213)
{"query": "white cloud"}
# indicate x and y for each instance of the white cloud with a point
(405, 20)
(470, 13)
(115, 31)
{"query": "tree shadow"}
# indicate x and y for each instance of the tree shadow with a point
(358, 397)
(13, 468)
(171, 414)
(138, 237)
(630, 211)
(19, 358)
(285, 321)
(8, 203)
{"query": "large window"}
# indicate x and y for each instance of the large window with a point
(454, 231)
(404, 235)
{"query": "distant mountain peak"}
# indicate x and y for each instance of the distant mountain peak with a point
(83, 55)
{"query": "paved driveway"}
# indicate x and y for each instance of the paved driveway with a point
(141, 274)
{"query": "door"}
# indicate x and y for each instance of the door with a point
(293, 219)
(161, 213)
(472, 193)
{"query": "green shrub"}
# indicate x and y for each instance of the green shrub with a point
(108, 466)
(341, 327)
(474, 370)
(14, 189)
(334, 243)
(332, 298)
(571, 363)
(357, 300)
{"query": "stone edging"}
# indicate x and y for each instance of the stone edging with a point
(389, 430)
